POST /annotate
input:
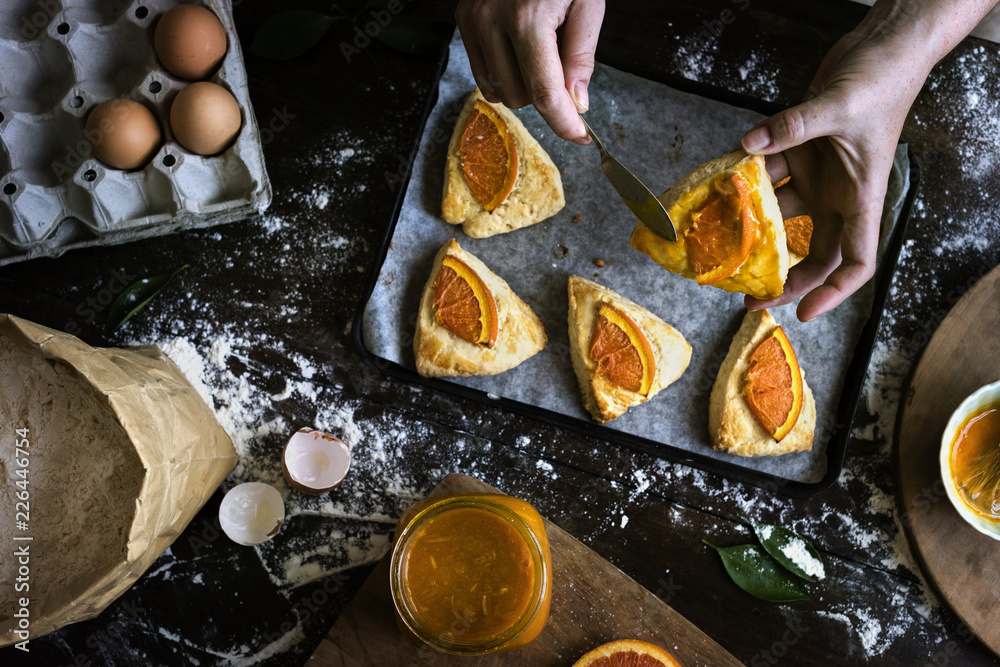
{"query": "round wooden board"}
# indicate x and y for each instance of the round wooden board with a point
(963, 355)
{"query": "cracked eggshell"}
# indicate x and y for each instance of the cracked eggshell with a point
(315, 462)
(251, 513)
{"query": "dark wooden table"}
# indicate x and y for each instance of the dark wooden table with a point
(284, 288)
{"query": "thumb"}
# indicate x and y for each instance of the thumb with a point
(792, 127)
(577, 47)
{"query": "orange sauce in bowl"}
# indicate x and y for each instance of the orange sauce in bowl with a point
(471, 574)
(975, 461)
(468, 573)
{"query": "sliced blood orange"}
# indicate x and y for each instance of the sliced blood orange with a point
(723, 231)
(621, 351)
(627, 653)
(773, 385)
(489, 158)
(798, 234)
(463, 303)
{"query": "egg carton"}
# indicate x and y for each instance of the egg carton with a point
(59, 59)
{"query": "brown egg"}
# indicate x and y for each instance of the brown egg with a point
(205, 118)
(190, 42)
(124, 133)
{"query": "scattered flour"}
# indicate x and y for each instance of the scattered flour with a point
(797, 552)
(756, 75)
(246, 411)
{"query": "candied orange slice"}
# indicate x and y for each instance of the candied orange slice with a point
(722, 233)
(489, 158)
(798, 234)
(627, 653)
(621, 351)
(463, 303)
(773, 385)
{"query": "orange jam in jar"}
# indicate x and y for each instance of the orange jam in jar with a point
(471, 574)
(975, 461)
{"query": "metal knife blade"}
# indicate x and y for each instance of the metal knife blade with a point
(636, 196)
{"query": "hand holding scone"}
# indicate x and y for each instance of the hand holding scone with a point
(838, 145)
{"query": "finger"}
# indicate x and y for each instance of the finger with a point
(802, 278)
(577, 46)
(469, 30)
(792, 127)
(859, 247)
(505, 73)
(823, 258)
(777, 167)
(477, 63)
(538, 52)
(789, 202)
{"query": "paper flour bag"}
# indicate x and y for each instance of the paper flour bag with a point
(105, 456)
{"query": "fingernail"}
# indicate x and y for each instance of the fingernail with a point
(581, 97)
(757, 139)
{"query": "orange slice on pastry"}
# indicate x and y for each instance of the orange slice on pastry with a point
(488, 155)
(621, 351)
(722, 232)
(463, 304)
(772, 385)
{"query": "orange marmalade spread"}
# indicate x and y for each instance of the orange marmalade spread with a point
(975, 461)
(471, 574)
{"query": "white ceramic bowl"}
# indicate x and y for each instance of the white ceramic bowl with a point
(981, 397)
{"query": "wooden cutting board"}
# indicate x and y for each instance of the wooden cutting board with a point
(593, 602)
(963, 355)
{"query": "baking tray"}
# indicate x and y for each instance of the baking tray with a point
(832, 433)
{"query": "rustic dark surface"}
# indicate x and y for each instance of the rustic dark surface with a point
(245, 276)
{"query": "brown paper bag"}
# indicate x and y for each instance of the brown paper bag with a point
(116, 452)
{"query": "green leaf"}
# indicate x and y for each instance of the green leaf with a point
(290, 33)
(793, 551)
(135, 297)
(421, 37)
(759, 575)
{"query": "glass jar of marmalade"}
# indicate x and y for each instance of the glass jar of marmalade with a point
(471, 574)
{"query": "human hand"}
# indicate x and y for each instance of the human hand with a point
(518, 58)
(838, 147)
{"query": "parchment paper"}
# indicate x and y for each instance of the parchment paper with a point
(660, 134)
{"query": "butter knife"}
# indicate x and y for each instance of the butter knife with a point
(636, 196)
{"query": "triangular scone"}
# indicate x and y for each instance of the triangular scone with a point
(731, 425)
(441, 353)
(763, 273)
(537, 193)
(602, 398)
